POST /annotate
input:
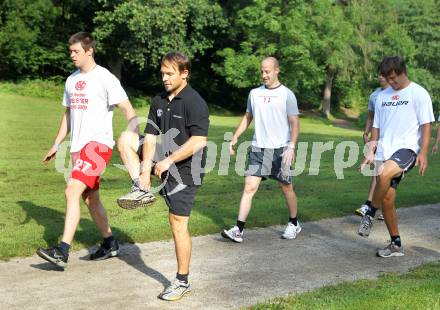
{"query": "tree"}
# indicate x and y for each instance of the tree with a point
(142, 31)
(309, 37)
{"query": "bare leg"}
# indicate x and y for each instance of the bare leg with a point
(371, 189)
(97, 211)
(128, 144)
(289, 194)
(389, 212)
(390, 171)
(250, 188)
(73, 193)
(182, 241)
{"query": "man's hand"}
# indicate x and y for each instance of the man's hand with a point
(288, 156)
(435, 148)
(50, 154)
(366, 138)
(162, 166)
(232, 144)
(422, 162)
(368, 160)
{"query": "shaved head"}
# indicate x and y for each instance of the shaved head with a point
(269, 72)
(271, 61)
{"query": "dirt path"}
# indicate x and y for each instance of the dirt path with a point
(224, 274)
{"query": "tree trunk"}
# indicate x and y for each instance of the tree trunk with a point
(326, 102)
(115, 67)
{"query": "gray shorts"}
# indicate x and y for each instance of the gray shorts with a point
(405, 159)
(267, 163)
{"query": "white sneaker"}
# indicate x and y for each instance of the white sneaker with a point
(291, 231)
(234, 234)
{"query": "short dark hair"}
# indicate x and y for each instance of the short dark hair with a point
(86, 39)
(179, 59)
(392, 64)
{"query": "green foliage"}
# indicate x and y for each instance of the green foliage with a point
(25, 33)
(143, 31)
(316, 41)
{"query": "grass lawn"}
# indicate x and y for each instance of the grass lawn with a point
(32, 194)
(417, 289)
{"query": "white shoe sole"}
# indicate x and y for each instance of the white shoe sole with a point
(50, 259)
(394, 254)
(187, 292)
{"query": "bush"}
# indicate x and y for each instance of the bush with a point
(54, 88)
(51, 88)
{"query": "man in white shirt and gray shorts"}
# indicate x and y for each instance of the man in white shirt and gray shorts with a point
(274, 109)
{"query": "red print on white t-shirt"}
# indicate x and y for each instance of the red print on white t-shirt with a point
(80, 85)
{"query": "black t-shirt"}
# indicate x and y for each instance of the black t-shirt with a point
(176, 121)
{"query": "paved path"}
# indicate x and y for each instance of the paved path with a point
(224, 274)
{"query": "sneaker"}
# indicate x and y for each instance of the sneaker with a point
(365, 226)
(103, 252)
(136, 198)
(53, 255)
(391, 250)
(175, 291)
(380, 217)
(234, 234)
(362, 210)
(291, 231)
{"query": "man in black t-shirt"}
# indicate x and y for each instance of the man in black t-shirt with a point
(179, 118)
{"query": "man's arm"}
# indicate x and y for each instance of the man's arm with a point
(148, 150)
(422, 158)
(189, 148)
(289, 153)
(62, 133)
(368, 126)
(242, 126)
(437, 141)
(372, 145)
(130, 115)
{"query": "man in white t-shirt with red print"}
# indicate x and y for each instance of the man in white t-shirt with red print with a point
(90, 95)
(274, 110)
(400, 139)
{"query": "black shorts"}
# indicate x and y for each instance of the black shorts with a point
(405, 159)
(267, 163)
(178, 197)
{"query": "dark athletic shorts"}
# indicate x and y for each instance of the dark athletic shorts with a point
(267, 163)
(406, 160)
(179, 197)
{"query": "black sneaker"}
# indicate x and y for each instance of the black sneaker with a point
(53, 255)
(103, 252)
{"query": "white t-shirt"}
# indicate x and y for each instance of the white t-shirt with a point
(398, 116)
(372, 99)
(270, 109)
(91, 98)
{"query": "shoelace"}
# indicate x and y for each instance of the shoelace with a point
(366, 223)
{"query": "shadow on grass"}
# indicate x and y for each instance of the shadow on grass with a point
(53, 223)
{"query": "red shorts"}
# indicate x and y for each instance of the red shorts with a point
(89, 163)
